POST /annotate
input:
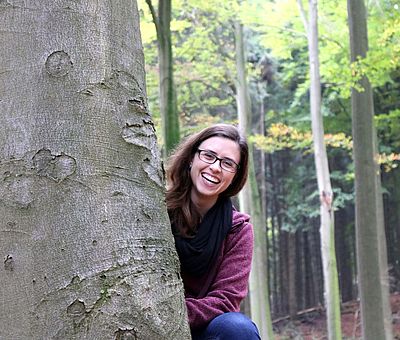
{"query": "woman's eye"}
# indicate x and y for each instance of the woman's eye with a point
(209, 155)
(228, 163)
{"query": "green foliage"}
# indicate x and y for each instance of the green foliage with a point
(277, 55)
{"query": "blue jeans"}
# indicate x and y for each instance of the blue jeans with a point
(229, 326)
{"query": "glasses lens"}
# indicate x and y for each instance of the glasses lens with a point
(207, 157)
(225, 163)
(228, 165)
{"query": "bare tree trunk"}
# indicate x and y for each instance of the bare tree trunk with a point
(168, 104)
(331, 284)
(273, 270)
(345, 257)
(284, 271)
(250, 203)
(301, 270)
(370, 231)
(291, 267)
(84, 232)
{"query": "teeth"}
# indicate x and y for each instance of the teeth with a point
(210, 178)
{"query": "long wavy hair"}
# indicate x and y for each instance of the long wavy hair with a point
(182, 212)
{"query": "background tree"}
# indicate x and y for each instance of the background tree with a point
(327, 229)
(371, 243)
(168, 106)
(84, 232)
(277, 66)
(250, 203)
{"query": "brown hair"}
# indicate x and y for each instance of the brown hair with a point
(181, 210)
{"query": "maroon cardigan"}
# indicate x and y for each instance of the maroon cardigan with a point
(227, 281)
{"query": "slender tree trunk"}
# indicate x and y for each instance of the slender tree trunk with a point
(274, 244)
(301, 271)
(292, 296)
(345, 258)
(84, 232)
(284, 270)
(370, 232)
(250, 202)
(331, 284)
(392, 217)
(308, 273)
(168, 104)
(315, 263)
(281, 244)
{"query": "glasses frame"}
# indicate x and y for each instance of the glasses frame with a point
(216, 158)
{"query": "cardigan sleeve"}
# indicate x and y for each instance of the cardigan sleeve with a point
(230, 285)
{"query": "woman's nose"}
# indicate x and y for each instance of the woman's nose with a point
(216, 166)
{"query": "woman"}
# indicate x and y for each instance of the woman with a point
(213, 240)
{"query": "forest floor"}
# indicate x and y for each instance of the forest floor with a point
(311, 324)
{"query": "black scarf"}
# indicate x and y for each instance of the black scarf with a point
(197, 254)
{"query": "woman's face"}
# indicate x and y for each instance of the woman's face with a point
(209, 180)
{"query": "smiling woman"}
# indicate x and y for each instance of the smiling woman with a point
(211, 237)
(209, 177)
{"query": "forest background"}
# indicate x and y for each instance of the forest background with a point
(203, 49)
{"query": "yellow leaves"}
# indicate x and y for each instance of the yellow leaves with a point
(339, 140)
(281, 136)
(388, 162)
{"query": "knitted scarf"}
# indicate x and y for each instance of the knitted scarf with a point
(197, 254)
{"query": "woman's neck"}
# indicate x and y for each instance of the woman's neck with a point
(202, 204)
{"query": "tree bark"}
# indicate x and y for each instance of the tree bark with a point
(316, 287)
(345, 253)
(331, 284)
(284, 271)
(301, 270)
(84, 231)
(273, 270)
(291, 267)
(370, 233)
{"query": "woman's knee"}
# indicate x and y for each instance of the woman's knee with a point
(233, 326)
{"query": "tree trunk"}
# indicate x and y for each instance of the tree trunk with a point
(308, 278)
(301, 271)
(391, 180)
(273, 276)
(168, 104)
(345, 258)
(84, 232)
(284, 271)
(370, 234)
(316, 290)
(331, 284)
(292, 296)
(250, 203)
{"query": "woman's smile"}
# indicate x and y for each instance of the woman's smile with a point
(210, 180)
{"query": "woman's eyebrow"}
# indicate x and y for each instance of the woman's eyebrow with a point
(213, 152)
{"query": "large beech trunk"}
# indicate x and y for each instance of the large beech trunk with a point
(84, 232)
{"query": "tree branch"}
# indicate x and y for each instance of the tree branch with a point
(154, 16)
(303, 14)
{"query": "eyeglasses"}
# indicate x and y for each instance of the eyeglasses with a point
(209, 157)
